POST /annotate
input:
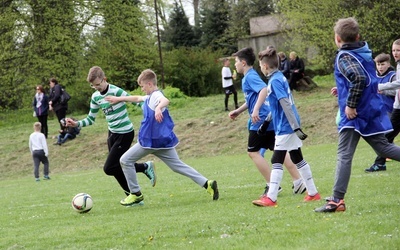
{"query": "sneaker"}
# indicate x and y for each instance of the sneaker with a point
(150, 172)
(264, 201)
(37, 179)
(132, 200)
(299, 189)
(212, 189)
(280, 189)
(332, 206)
(316, 197)
(376, 168)
(46, 177)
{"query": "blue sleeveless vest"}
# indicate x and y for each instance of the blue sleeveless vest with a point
(371, 114)
(387, 100)
(153, 134)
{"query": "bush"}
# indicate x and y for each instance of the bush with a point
(196, 72)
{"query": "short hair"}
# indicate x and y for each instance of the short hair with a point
(95, 72)
(347, 29)
(281, 54)
(383, 57)
(396, 42)
(247, 55)
(270, 57)
(53, 80)
(37, 126)
(147, 75)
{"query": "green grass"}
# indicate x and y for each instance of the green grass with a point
(177, 213)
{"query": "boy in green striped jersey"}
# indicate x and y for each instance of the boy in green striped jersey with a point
(120, 127)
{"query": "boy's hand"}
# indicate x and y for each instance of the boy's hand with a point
(334, 91)
(300, 134)
(70, 123)
(351, 113)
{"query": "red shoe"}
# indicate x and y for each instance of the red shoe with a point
(264, 201)
(308, 198)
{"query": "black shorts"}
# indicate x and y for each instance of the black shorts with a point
(230, 90)
(256, 142)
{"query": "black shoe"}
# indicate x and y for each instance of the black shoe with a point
(332, 206)
(376, 168)
(267, 188)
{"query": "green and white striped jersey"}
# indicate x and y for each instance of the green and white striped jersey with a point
(116, 114)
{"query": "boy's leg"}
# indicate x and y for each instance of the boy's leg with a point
(128, 160)
(36, 163)
(383, 147)
(45, 161)
(118, 144)
(348, 140)
(171, 159)
(305, 172)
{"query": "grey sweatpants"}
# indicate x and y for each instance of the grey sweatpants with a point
(348, 140)
(168, 156)
(38, 157)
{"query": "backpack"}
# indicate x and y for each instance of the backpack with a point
(65, 97)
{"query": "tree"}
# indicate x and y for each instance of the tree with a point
(179, 33)
(311, 25)
(214, 22)
(122, 45)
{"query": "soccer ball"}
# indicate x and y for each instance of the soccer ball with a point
(82, 203)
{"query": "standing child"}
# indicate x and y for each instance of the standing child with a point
(360, 108)
(39, 151)
(120, 127)
(227, 83)
(386, 74)
(286, 124)
(255, 92)
(156, 136)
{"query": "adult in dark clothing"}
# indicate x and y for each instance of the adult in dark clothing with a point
(284, 65)
(55, 100)
(41, 108)
(296, 70)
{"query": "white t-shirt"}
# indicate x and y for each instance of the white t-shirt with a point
(37, 141)
(226, 72)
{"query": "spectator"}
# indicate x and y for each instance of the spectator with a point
(55, 100)
(227, 84)
(296, 70)
(41, 108)
(284, 65)
(67, 132)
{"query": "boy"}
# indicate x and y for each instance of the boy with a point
(120, 127)
(386, 73)
(156, 137)
(255, 92)
(227, 84)
(39, 151)
(360, 108)
(67, 133)
(288, 136)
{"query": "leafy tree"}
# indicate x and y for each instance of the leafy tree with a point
(311, 25)
(121, 45)
(214, 21)
(179, 33)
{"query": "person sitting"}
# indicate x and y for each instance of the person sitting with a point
(284, 65)
(296, 70)
(67, 133)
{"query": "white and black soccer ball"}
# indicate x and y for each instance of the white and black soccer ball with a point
(82, 203)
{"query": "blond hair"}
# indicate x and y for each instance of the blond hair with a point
(95, 72)
(37, 126)
(147, 75)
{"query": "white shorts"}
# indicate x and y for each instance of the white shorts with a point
(287, 142)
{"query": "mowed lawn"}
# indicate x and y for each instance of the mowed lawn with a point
(178, 214)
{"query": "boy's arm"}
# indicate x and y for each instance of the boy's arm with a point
(163, 103)
(389, 85)
(130, 98)
(287, 109)
(262, 95)
(352, 70)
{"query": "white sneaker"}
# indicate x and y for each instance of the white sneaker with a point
(299, 189)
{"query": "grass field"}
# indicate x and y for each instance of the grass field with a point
(177, 213)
